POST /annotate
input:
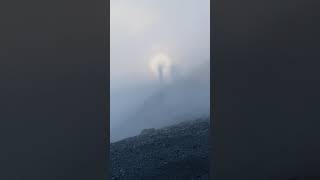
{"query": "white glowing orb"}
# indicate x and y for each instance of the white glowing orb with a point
(160, 62)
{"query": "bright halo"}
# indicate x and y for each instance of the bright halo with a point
(163, 62)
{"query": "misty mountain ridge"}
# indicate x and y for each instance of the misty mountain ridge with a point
(185, 98)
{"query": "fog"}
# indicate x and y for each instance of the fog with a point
(149, 37)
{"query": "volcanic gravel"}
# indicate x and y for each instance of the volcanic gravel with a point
(178, 152)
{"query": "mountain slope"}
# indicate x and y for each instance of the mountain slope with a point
(186, 98)
(178, 152)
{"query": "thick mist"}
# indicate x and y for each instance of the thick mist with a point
(140, 30)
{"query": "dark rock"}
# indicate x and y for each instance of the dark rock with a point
(178, 152)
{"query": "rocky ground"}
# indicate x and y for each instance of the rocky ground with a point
(178, 152)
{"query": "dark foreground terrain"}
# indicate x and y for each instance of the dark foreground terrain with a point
(178, 152)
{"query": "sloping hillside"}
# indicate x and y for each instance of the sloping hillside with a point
(186, 98)
(178, 152)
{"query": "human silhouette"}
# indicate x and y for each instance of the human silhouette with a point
(160, 72)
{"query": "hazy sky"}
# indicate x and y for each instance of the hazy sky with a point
(141, 29)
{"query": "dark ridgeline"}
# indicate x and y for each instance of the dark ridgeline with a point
(266, 89)
(53, 94)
